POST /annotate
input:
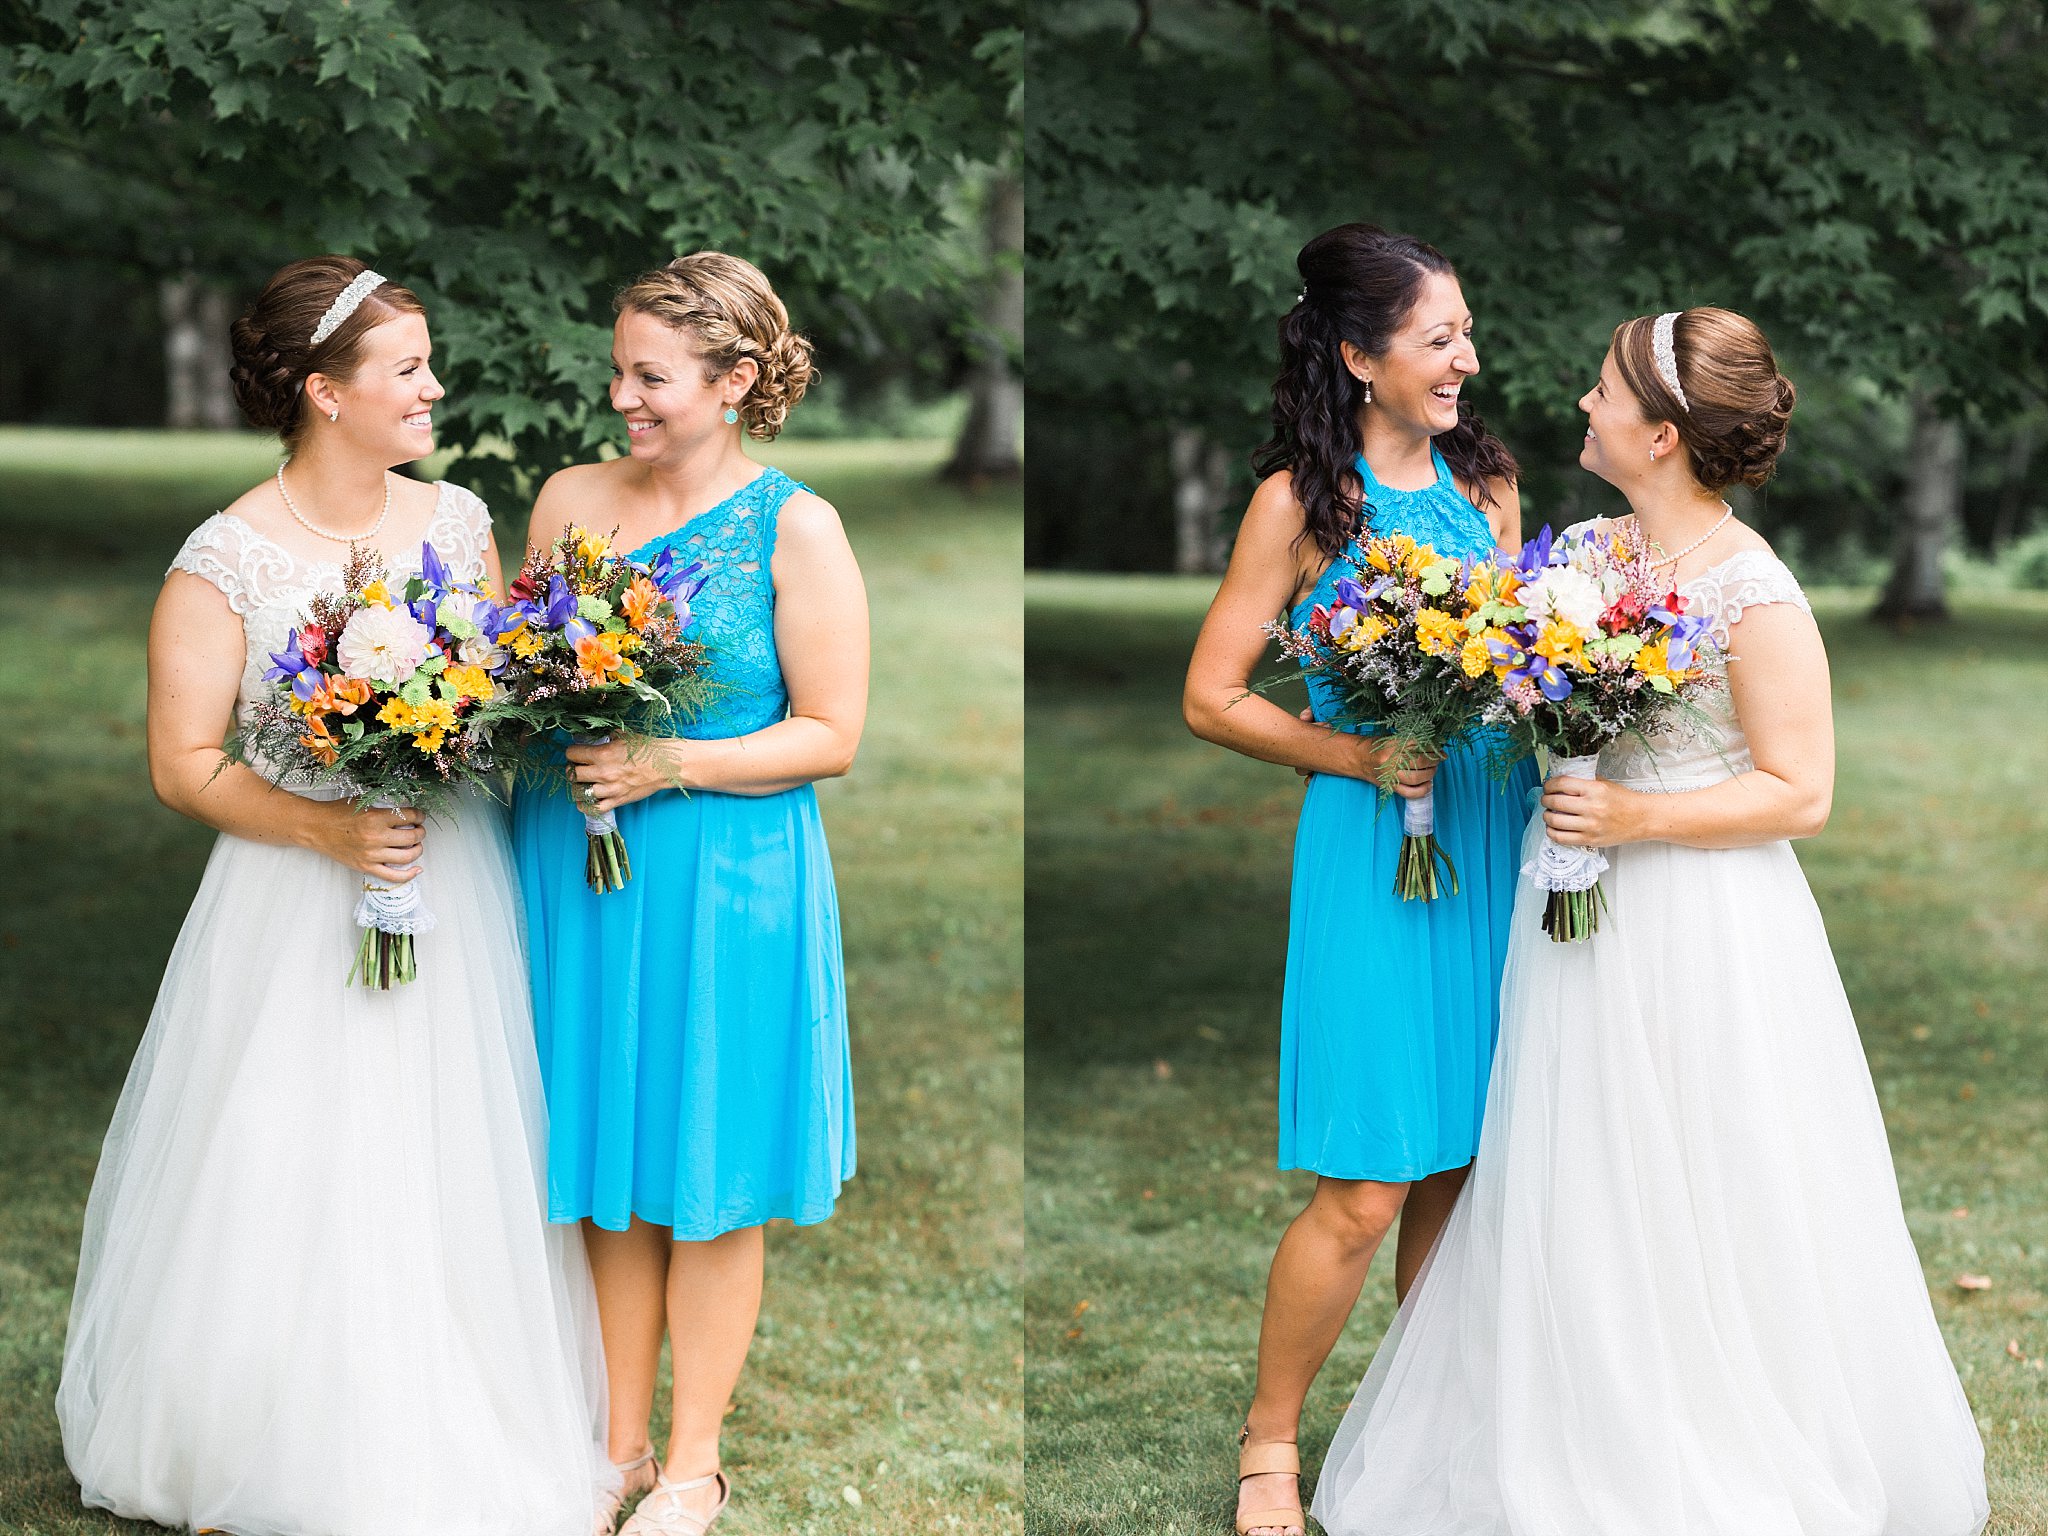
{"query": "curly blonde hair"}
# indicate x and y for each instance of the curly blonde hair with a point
(731, 310)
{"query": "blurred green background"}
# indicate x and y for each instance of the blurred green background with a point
(884, 1386)
(1862, 177)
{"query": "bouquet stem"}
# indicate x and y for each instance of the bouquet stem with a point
(607, 867)
(1416, 875)
(1570, 874)
(389, 916)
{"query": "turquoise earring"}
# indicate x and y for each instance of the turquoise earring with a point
(731, 415)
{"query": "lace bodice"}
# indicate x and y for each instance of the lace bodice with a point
(1693, 751)
(1437, 515)
(269, 586)
(735, 608)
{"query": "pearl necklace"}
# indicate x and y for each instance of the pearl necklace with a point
(336, 538)
(1726, 513)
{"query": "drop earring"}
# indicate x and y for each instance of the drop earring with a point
(1368, 390)
(731, 415)
(1653, 455)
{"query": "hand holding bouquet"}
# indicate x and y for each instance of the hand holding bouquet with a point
(1398, 646)
(383, 695)
(1585, 646)
(602, 650)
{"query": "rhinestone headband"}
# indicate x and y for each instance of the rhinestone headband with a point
(1665, 351)
(346, 303)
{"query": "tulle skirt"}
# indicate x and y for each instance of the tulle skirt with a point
(318, 1293)
(1387, 1023)
(1677, 1296)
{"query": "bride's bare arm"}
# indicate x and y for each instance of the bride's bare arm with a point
(195, 671)
(1265, 570)
(1778, 679)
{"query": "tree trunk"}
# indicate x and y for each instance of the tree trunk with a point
(1916, 591)
(196, 355)
(1201, 486)
(988, 445)
(2019, 458)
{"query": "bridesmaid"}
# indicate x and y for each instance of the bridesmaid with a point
(692, 1026)
(1388, 1019)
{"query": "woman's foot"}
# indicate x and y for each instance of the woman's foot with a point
(680, 1506)
(637, 1475)
(1268, 1487)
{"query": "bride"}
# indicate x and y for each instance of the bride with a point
(318, 1292)
(1677, 1296)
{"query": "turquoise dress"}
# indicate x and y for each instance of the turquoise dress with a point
(1391, 1007)
(692, 1026)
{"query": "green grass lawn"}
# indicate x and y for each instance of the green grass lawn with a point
(884, 1392)
(1157, 874)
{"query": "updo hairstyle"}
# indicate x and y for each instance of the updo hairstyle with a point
(731, 312)
(1359, 284)
(273, 342)
(1736, 405)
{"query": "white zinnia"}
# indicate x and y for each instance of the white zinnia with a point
(1567, 594)
(385, 645)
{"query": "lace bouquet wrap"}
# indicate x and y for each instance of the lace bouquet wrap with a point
(1584, 647)
(384, 694)
(1398, 649)
(602, 651)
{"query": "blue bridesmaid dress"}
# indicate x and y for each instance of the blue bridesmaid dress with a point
(692, 1026)
(1391, 1007)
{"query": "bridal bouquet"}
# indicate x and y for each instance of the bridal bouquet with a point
(1586, 646)
(602, 651)
(386, 695)
(1401, 646)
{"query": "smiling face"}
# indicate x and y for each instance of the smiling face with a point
(1416, 382)
(386, 403)
(1618, 440)
(659, 386)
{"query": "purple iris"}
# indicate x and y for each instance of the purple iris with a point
(432, 571)
(493, 622)
(291, 662)
(1525, 666)
(1355, 597)
(665, 574)
(1536, 553)
(1685, 632)
(561, 606)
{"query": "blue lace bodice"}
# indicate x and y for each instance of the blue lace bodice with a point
(1437, 515)
(735, 608)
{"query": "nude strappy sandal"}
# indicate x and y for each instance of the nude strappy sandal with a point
(1269, 1456)
(662, 1514)
(610, 1503)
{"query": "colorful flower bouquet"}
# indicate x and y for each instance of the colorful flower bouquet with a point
(1586, 647)
(387, 697)
(602, 651)
(1399, 645)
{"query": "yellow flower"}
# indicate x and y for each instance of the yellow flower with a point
(526, 645)
(429, 743)
(1438, 633)
(469, 682)
(375, 594)
(1561, 642)
(1475, 658)
(397, 714)
(1364, 634)
(1654, 662)
(592, 547)
(435, 715)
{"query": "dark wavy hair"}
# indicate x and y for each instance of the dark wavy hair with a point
(1359, 284)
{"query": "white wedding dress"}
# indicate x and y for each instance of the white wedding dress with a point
(318, 1294)
(1677, 1296)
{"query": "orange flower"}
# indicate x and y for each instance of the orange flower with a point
(350, 693)
(320, 742)
(640, 601)
(598, 658)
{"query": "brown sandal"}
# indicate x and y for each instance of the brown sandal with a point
(1257, 1460)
